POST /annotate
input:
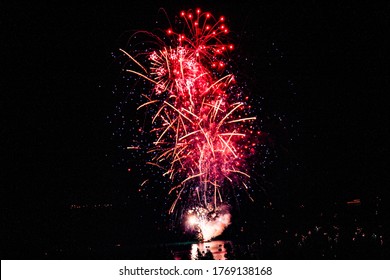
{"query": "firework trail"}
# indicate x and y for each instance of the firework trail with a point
(200, 119)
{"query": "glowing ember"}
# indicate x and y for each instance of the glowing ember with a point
(201, 121)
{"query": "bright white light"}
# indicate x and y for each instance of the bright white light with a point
(192, 220)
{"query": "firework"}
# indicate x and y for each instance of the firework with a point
(200, 119)
(208, 224)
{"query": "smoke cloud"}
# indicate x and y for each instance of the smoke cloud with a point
(209, 224)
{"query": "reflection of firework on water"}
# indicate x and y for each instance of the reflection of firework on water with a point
(200, 118)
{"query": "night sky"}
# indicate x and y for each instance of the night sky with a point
(323, 67)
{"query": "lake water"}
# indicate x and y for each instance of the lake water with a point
(217, 250)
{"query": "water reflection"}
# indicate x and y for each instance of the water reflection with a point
(217, 250)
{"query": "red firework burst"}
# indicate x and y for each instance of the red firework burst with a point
(203, 129)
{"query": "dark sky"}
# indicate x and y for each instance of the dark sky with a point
(59, 74)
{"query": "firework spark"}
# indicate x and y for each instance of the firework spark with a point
(201, 121)
(208, 224)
